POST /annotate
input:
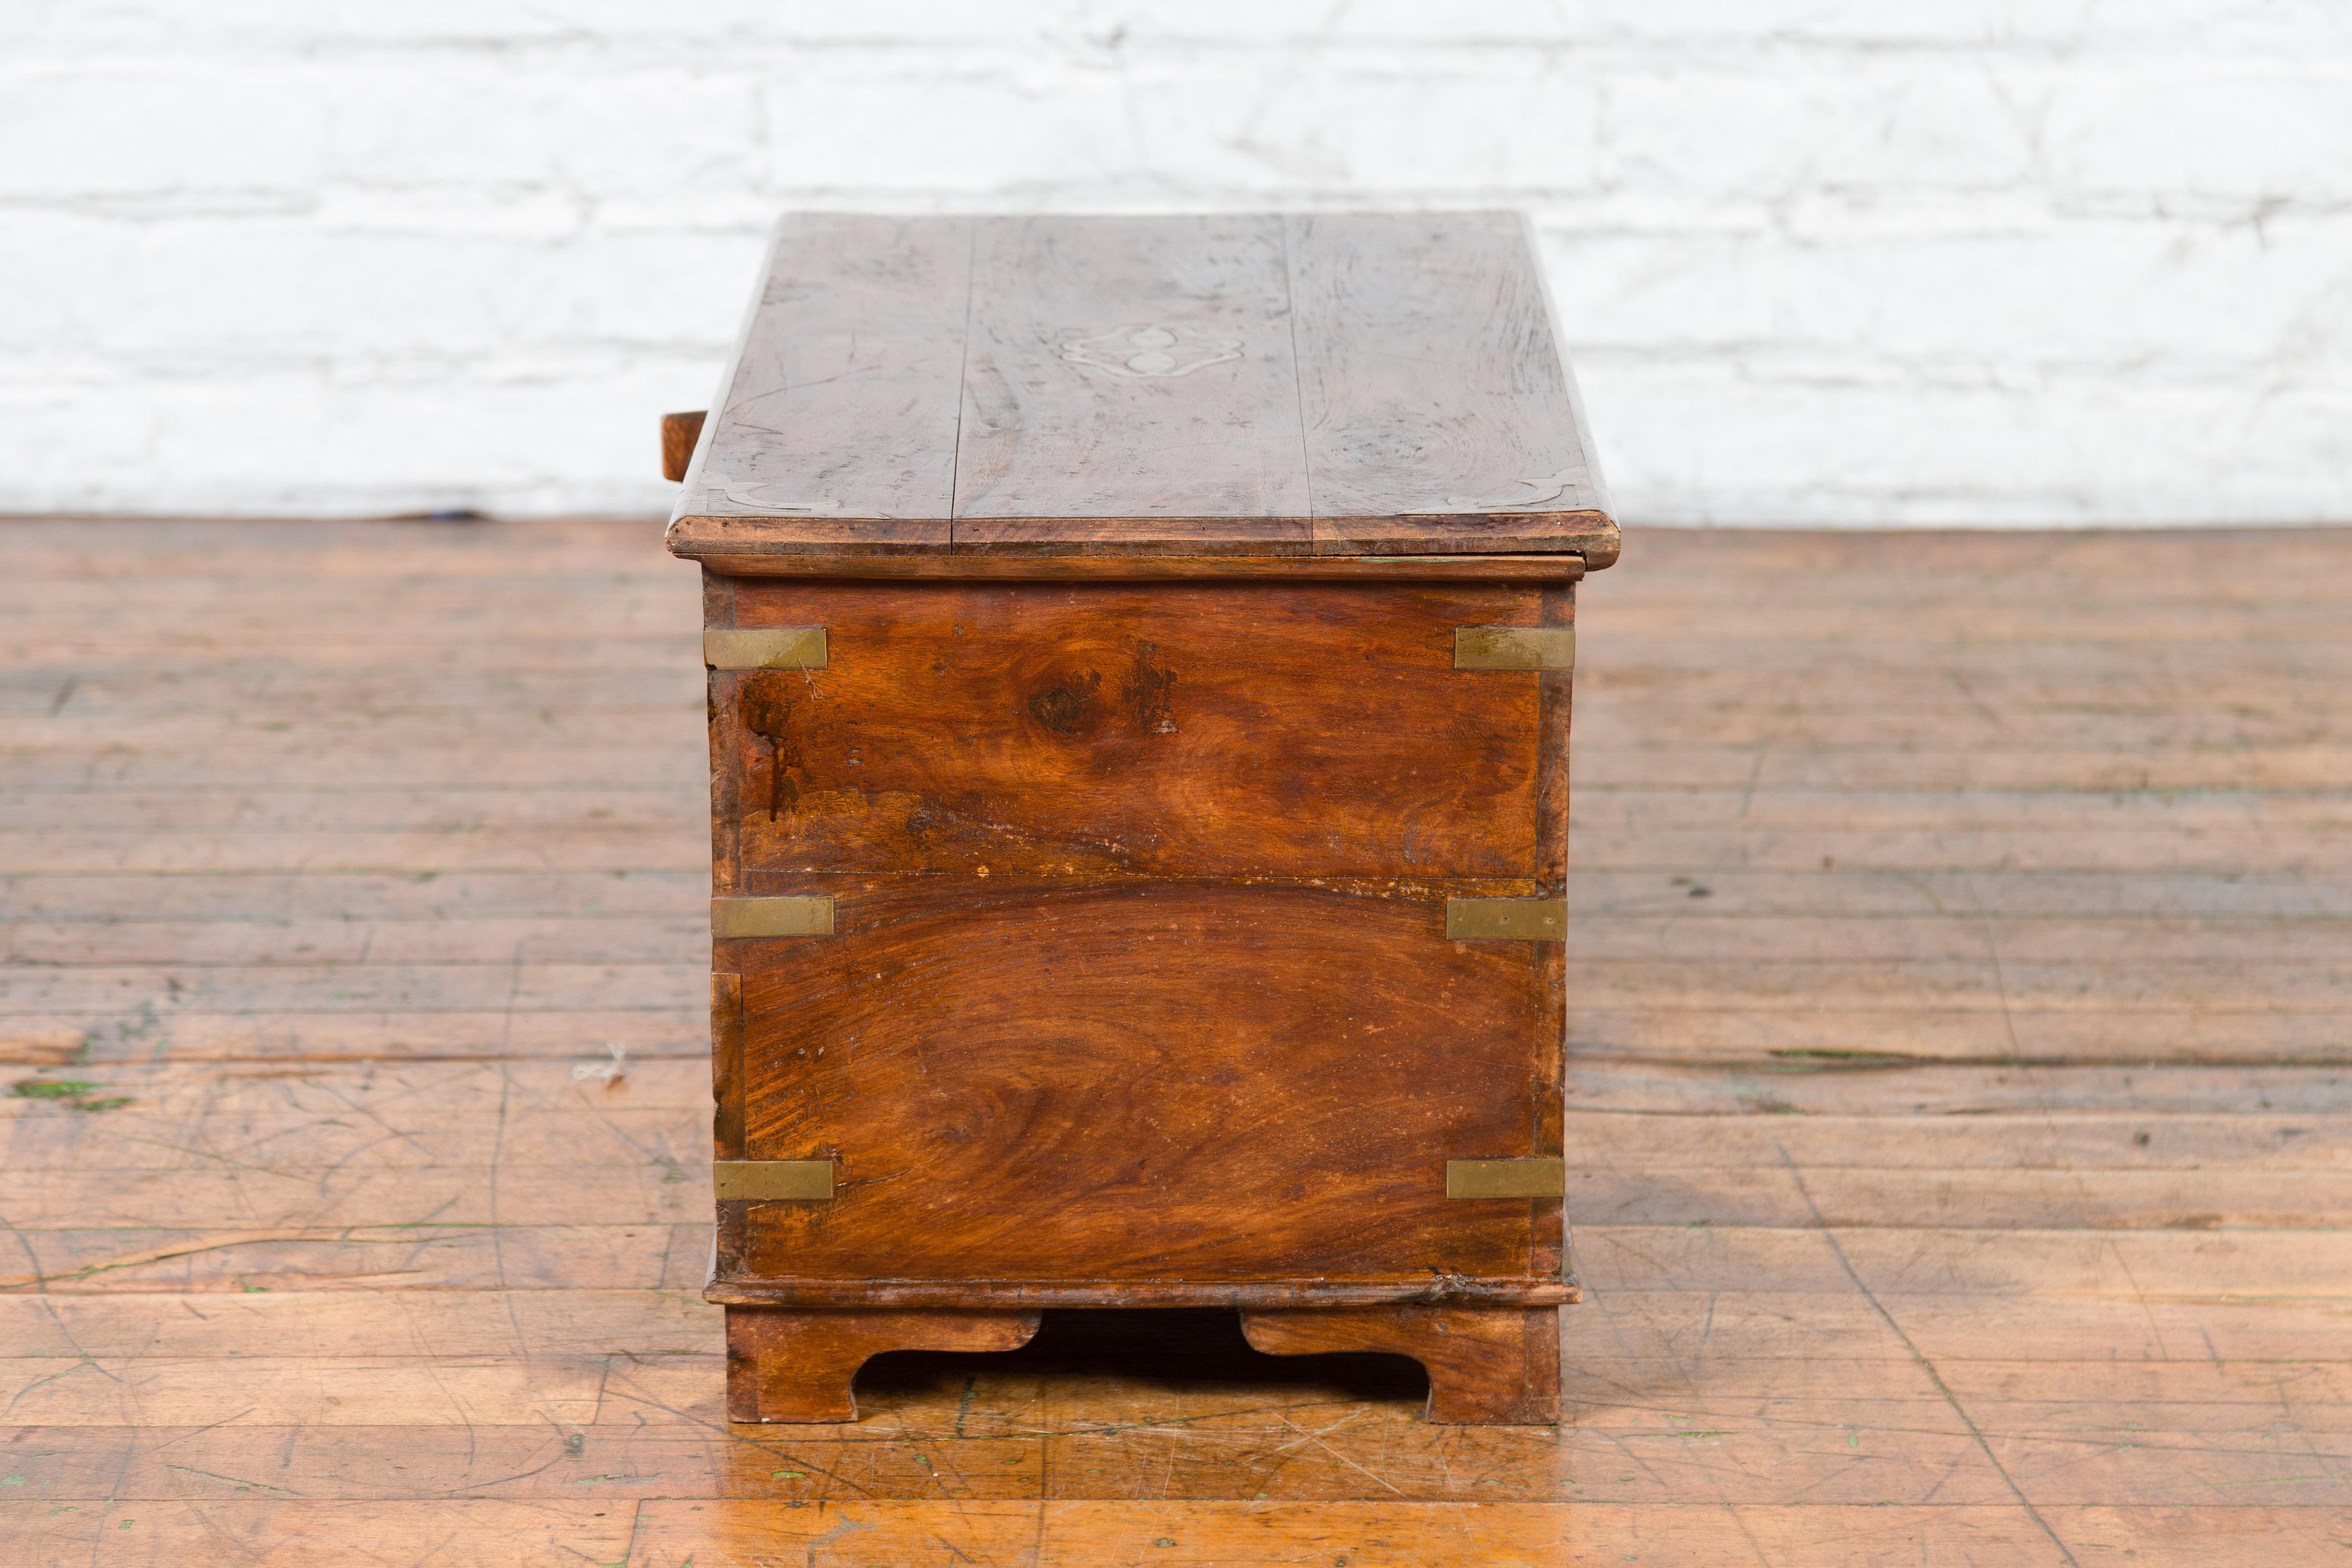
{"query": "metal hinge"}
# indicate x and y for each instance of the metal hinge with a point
(1505, 920)
(1514, 648)
(772, 917)
(1506, 1178)
(770, 648)
(771, 1181)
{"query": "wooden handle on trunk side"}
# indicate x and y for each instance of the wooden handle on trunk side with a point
(679, 433)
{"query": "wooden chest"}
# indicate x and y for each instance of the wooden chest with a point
(1139, 655)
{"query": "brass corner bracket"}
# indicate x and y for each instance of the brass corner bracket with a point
(768, 647)
(1506, 919)
(771, 1181)
(731, 917)
(1522, 1178)
(1514, 648)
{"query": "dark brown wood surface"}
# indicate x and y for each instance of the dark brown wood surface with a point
(1224, 384)
(1438, 411)
(1243, 731)
(1055, 438)
(1979, 1195)
(839, 410)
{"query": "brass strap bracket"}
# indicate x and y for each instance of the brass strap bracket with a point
(1514, 648)
(1506, 1178)
(771, 1181)
(772, 917)
(1506, 919)
(769, 648)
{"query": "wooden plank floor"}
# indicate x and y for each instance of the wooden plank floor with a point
(1962, 1089)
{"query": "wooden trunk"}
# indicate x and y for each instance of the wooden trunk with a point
(1139, 674)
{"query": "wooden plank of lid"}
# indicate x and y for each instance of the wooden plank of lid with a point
(837, 422)
(1204, 385)
(1129, 385)
(1438, 409)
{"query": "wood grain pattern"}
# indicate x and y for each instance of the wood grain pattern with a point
(675, 1533)
(1164, 728)
(1545, 1065)
(1055, 1091)
(789, 1365)
(1047, 1083)
(679, 432)
(749, 561)
(299, 1533)
(726, 1066)
(1240, 385)
(836, 424)
(1601, 1191)
(1118, 1535)
(1070, 430)
(1438, 410)
(1492, 1366)
(1759, 1386)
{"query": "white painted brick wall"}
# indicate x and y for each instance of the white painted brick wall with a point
(1916, 262)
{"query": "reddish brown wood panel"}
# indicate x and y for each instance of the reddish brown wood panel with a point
(726, 1066)
(1250, 730)
(1138, 1081)
(784, 1365)
(1495, 1366)
(1547, 1070)
(679, 432)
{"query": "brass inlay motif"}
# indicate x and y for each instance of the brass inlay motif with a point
(1506, 1178)
(1538, 492)
(1514, 648)
(1151, 350)
(771, 1181)
(1505, 920)
(772, 917)
(769, 648)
